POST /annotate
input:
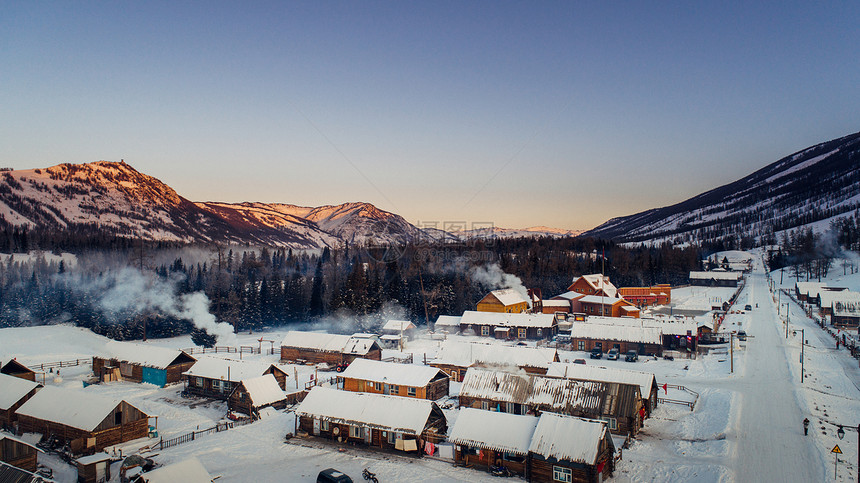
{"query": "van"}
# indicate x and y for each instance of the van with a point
(331, 475)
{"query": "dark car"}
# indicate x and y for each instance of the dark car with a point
(331, 475)
(596, 353)
(747, 307)
(631, 356)
(742, 335)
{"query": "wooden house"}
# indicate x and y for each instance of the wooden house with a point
(141, 363)
(846, 301)
(660, 294)
(391, 378)
(333, 349)
(387, 422)
(519, 326)
(94, 468)
(18, 453)
(186, 471)
(607, 306)
(447, 323)
(455, 358)
(14, 392)
(216, 378)
(85, 421)
(403, 328)
(16, 369)
(594, 284)
(803, 289)
(716, 278)
(506, 301)
(618, 404)
(487, 438)
(256, 393)
(587, 455)
(585, 336)
(554, 306)
(677, 333)
(648, 389)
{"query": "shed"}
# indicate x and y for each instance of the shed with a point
(217, 378)
(570, 449)
(141, 363)
(86, 421)
(94, 468)
(391, 378)
(256, 393)
(13, 474)
(400, 327)
(448, 323)
(333, 349)
(186, 471)
(18, 453)
(455, 358)
(16, 369)
(387, 422)
(646, 381)
(488, 438)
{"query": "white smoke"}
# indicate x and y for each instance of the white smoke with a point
(493, 277)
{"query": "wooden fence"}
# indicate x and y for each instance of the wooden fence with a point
(58, 364)
(227, 425)
(230, 350)
(690, 404)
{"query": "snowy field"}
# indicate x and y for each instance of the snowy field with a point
(746, 425)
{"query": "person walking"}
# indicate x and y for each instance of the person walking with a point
(805, 426)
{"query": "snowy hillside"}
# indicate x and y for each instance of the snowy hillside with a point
(497, 232)
(807, 188)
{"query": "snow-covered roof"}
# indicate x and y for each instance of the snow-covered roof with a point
(447, 321)
(226, 369)
(598, 282)
(398, 325)
(570, 295)
(645, 380)
(492, 430)
(263, 390)
(93, 458)
(75, 408)
(844, 297)
(568, 438)
(646, 335)
(807, 287)
(716, 275)
(556, 303)
(630, 308)
(504, 319)
(509, 296)
(667, 325)
(186, 471)
(323, 342)
(465, 354)
(391, 372)
(142, 354)
(13, 389)
(597, 299)
(390, 413)
(12, 437)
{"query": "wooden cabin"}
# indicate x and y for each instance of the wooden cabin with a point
(648, 388)
(487, 438)
(607, 306)
(87, 422)
(18, 453)
(716, 278)
(660, 294)
(515, 326)
(594, 284)
(94, 468)
(16, 369)
(617, 403)
(455, 358)
(677, 333)
(803, 289)
(256, 393)
(400, 327)
(586, 456)
(385, 422)
(124, 361)
(190, 470)
(586, 336)
(447, 323)
(391, 378)
(332, 349)
(14, 392)
(506, 301)
(217, 378)
(554, 306)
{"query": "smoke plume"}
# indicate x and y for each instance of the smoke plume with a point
(493, 277)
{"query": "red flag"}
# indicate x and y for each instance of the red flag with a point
(666, 388)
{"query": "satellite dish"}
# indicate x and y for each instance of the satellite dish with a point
(336, 430)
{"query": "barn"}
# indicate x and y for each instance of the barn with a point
(127, 361)
(87, 422)
(256, 393)
(333, 349)
(14, 392)
(455, 358)
(391, 378)
(386, 422)
(18, 453)
(217, 378)
(16, 369)
(586, 454)
(489, 438)
(646, 381)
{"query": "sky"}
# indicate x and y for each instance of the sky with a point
(563, 114)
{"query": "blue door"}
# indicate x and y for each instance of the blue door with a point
(154, 376)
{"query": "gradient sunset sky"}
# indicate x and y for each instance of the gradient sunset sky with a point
(517, 113)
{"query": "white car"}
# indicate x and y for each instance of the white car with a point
(612, 355)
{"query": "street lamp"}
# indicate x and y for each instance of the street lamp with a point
(840, 432)
(802, 343)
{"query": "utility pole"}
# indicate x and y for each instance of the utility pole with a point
(732, 352)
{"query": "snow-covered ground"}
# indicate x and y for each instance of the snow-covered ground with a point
(746, 425)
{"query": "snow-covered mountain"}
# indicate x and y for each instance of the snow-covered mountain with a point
(114, 198)
(497, 232)
(808, 188)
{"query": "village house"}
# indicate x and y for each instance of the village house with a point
(553, 306)
(447, 323)
(716, 278)
(803, 289)
(823, 296)
(586, 336)
(507, 301)
(387, 422)
(619, 404)
(85, 421)
(16, 369)
(594, 284)
(18, 453)
(190, 470)
(648, 389)
(678, 332)
(455, 358)
(400, 327)
(14, 392)
(607, 306)
(488, 438)
(256, 393)
(94, 468)
(216, 378)
(829, 299)
(394, 379)
(333, 349)
(125, 361)
(587, 457)
(660, 294)
(509, 325)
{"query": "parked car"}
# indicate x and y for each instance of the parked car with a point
(612, 355)
(596, 353)
(742, 335)
(579, 361)
(631, 356)
(331, 475)
(747, 307)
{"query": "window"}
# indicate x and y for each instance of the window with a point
(485, 330)
(513, 457)
(560, 473)
(410, 391)
(521, 333)
(485, 405)
(612, 423)
(392, 437)
(394, 389)
(581, 345)
(198, 381)
(509, 408)
(117, 417)
(354, 432)
(325, 425)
